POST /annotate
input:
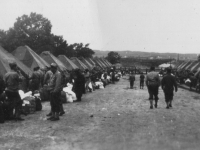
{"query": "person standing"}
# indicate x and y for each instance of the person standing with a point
(55, 88)
(12, 81)
(131, 80)
(35, 80)
(79, 84)
(113, 75)
(153, 82)
(2, 88)
(142, 80)
(168, 85)
(47, 77)
(87, 79)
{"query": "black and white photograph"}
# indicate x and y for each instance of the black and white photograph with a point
(100, 75)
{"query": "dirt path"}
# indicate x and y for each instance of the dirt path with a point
(115, 118)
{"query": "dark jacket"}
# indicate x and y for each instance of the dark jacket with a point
(79, 84)
(55, 84)
(169, 83)
(132, 78)
(142, 77)
(12, 80)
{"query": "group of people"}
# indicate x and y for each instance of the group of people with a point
(53, 81)
(153, 81)
(83, 81)
(184, 76)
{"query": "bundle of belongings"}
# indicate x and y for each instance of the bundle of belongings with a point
(99, 85)
(105, 79)
(117, 76)
(69, 94)
(188, 81)
(30, 102)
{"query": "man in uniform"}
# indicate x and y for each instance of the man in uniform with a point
(168, 85)
(47, 77)
(153, 82)
(35, 80)
(142, 80)
(2, 88)
(131, 80)
(79, 85)
(12, 81)
(55, 88)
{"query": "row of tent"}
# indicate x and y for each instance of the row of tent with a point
(27, 59)
(192, 66)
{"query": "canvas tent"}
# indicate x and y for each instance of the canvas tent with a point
(78, 63)
(97, 63)
(108, 62)
(195, 67)
(67, 62)
(26, 55)
(91, 61)
(6, 58)
(84, 61)
(104, 66)
(180, 66)
(50, 58)
(103, 60)
(184, 66)
(190, 65)
(187, 65)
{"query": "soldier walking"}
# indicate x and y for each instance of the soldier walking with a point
(142, 80)
(153, 82)
(168, 85)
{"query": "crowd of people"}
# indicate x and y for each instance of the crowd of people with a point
(153, 80)
(190, 78)
(168, 79)
(50, 81)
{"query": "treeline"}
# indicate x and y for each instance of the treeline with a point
(35, 31)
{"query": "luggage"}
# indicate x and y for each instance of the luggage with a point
(31, 104)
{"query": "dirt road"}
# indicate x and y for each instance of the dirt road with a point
(114, 118)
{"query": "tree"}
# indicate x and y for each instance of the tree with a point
(59, 44)
(33, 30)
(113, 57)
(84, 51)
(81, 50)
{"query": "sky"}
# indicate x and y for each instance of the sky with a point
(135, 25)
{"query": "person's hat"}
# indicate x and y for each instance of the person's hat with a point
(53, 65)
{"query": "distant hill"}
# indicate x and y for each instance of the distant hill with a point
(126, 54)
